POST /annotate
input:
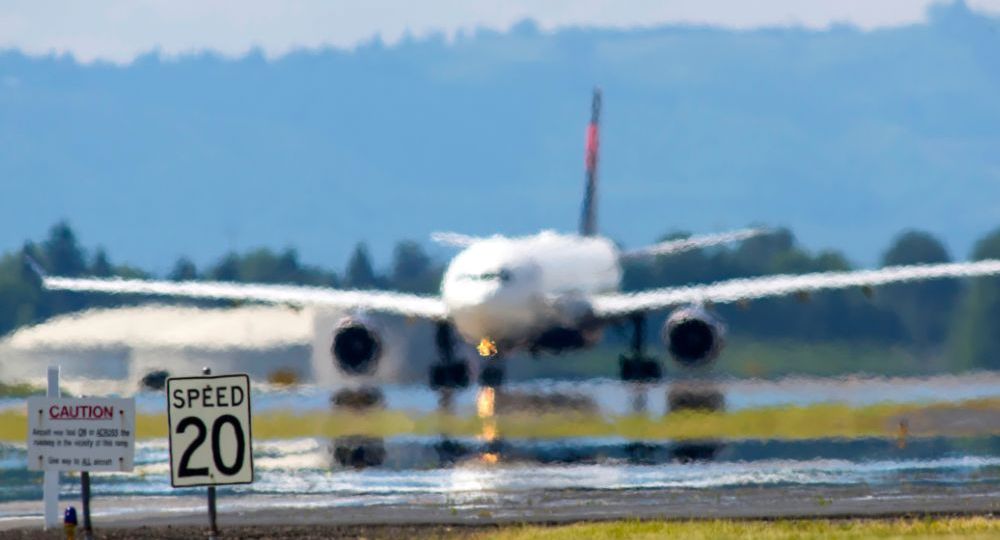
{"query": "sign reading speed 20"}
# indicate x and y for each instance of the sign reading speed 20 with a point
(210, 439)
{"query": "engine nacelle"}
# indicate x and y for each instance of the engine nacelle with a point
(693, 335)
(356, 346)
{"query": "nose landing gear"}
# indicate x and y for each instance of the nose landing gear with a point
(492, 374)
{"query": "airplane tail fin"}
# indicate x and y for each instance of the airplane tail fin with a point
(588, 216)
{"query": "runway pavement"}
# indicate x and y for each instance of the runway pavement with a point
(445, 481)
(488, 479)
(550, 506)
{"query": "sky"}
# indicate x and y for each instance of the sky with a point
(119, 30)
(845, 101)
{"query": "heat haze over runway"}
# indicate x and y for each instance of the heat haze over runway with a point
(946, 464)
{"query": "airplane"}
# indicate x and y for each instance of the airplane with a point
(548, 292)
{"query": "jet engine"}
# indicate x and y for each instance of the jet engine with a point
(693, 335)
(356, 346)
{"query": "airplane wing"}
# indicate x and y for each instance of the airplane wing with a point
(741, 290)
(454, 239)
(671, 247)
(409, 305)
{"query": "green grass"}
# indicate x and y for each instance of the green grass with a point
(18, 390)
(966, 528)
(814, 421)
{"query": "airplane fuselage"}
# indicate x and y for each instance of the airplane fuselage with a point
(514, 290)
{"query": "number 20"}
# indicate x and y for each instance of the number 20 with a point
(229, 470)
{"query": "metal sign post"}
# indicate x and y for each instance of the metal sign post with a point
(209, 433)
(88, 531)
(213, 526)
(50, 487)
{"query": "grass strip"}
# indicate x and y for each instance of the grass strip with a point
(909, 528)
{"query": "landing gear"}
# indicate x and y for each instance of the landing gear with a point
(492, 374)
(451, 376)
(359, 452)
(636, 366)
(695, 395)
(449, 373)
(155, 380)
(358, 399)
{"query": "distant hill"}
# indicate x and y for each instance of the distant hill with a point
(844, 135)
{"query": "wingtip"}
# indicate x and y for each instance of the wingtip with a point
(453, 239)
(35, 267)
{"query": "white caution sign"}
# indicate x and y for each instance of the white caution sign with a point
(81, 434)
(210, 439)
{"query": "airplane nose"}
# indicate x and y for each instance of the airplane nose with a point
(493, 315)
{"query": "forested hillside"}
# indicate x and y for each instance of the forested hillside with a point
(949, 323)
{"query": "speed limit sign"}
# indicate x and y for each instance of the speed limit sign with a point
(210, 439)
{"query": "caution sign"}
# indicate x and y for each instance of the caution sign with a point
(81, 434)
(210, 439)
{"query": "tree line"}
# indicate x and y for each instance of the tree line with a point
(954, 319)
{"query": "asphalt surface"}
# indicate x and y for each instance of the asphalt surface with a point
(419, 487)
(436, 514)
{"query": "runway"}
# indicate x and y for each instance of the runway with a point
(550, 507)
(489, 478)
(427, 480)
(615, 397)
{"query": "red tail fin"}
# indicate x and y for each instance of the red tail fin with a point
(588, 216)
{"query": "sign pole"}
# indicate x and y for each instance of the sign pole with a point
(88, 531)
(50, 485)
(213, 528)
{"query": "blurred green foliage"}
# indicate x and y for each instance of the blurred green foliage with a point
(19, 390)
(942, 325)
(975, 340)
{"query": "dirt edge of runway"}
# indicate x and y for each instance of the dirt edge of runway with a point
(415, 530)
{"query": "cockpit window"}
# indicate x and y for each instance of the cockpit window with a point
(503, 275)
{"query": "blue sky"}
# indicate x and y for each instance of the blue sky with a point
(846, 134)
